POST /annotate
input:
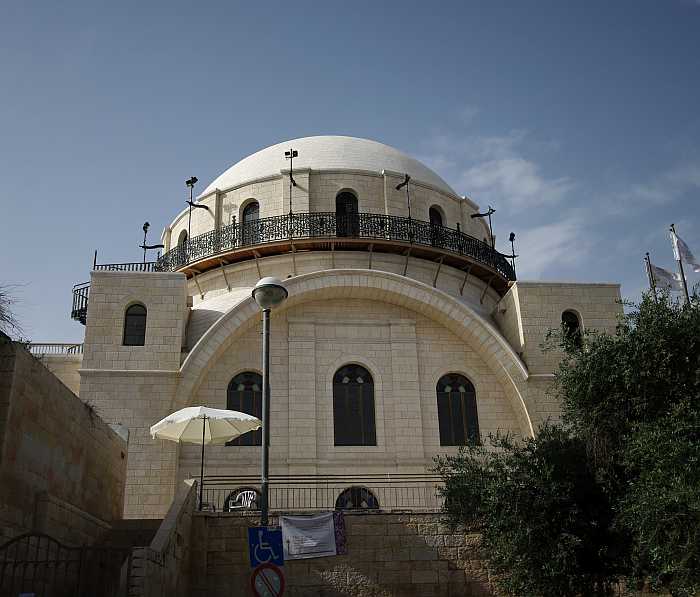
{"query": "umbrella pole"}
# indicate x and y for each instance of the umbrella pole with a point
(201, 470)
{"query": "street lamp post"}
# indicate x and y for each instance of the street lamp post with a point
(268, 293)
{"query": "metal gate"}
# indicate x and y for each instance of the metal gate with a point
(39, 565)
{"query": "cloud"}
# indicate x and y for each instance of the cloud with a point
(664, 187)
(515, 182)
(494, 169)
(562, 243)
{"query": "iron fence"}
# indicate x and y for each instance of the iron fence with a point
(329, 225)
(137, 266)
(80, 302)
(37, 564)
(315, 493)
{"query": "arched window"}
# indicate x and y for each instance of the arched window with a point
(251, 214)
(244, 394)
(435, 226)
(135, 325)
(182, 239)
(435, 216)
(353, 407)
(243, 498)
(457, 416)
(571, 325)
(357, 498)
(346, 215)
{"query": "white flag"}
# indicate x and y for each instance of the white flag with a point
(665, 279)
(682, 251)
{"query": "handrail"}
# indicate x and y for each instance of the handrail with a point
(329, 225)
(56, 348)
(137, 266)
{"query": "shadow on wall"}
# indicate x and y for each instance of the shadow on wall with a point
(389, 555)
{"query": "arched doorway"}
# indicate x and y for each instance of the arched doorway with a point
(346, 215)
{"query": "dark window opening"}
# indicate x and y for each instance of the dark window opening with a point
(435, 226)
(346, 215)
(135, 326)
(182, 239)
(353, 407)
(357, 498)
(244, 394)
(251, 228)
(572, 328)
(435, 216)
(457, 415)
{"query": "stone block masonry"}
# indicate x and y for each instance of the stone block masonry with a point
(62, 468)
(389, 555)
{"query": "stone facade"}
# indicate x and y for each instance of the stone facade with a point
(62, 468)
(389, 555)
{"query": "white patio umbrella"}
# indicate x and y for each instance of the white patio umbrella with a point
(203, 425)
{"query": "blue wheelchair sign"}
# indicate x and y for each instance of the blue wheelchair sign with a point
(265, 546)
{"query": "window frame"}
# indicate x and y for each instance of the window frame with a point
(365, 414)
(252, 438)
(468, 412)
(141, 341)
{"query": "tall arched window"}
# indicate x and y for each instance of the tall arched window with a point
(435, 220)
(572, 327)
(353, 407)
(251, 213)
(182, 239)
(244, 394)
(457, 416)
(435, 216)
(135, 325)
(346, 215)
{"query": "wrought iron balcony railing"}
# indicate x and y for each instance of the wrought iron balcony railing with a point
(56, 349)
(388, 492)
(332, 226)
(80, 302)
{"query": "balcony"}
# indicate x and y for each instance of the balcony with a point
(328, 230)
(324, 231)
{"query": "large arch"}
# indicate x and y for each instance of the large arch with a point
(391, 288)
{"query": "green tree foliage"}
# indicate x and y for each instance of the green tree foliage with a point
(613, 493)
(634, 398)
(545, 522)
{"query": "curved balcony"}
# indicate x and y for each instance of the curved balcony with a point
(328, 230)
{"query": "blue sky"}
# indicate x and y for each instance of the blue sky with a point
(578, 121)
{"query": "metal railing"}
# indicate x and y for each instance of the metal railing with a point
(137, 266)
(55, 348)
(80, 302)
(329, 225)
(323, 493)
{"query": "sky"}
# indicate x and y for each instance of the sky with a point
(579, 122)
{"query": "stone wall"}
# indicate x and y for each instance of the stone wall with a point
(66, 368)
(389, 555)
(62, 468)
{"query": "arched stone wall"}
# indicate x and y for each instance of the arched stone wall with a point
(370, 284)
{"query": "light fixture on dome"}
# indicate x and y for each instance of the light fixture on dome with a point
(511, 238)
(268, 293)
(190, 182)
(290, 155)
(144, 246)
(400, 186)
(487, 215)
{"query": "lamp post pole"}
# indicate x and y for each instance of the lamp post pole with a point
(268, 293)
(265, 464)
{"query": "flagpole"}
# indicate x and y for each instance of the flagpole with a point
(677, 255)
(650, 275)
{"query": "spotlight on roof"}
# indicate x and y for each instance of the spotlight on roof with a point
(146, 226)
(511, 238)
(292, 153)
(190, 182)
(404, 183)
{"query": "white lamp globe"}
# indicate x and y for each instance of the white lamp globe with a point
(269, 293)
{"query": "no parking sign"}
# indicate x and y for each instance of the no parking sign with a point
(267, 580)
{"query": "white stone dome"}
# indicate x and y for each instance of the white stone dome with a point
(327, 153)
